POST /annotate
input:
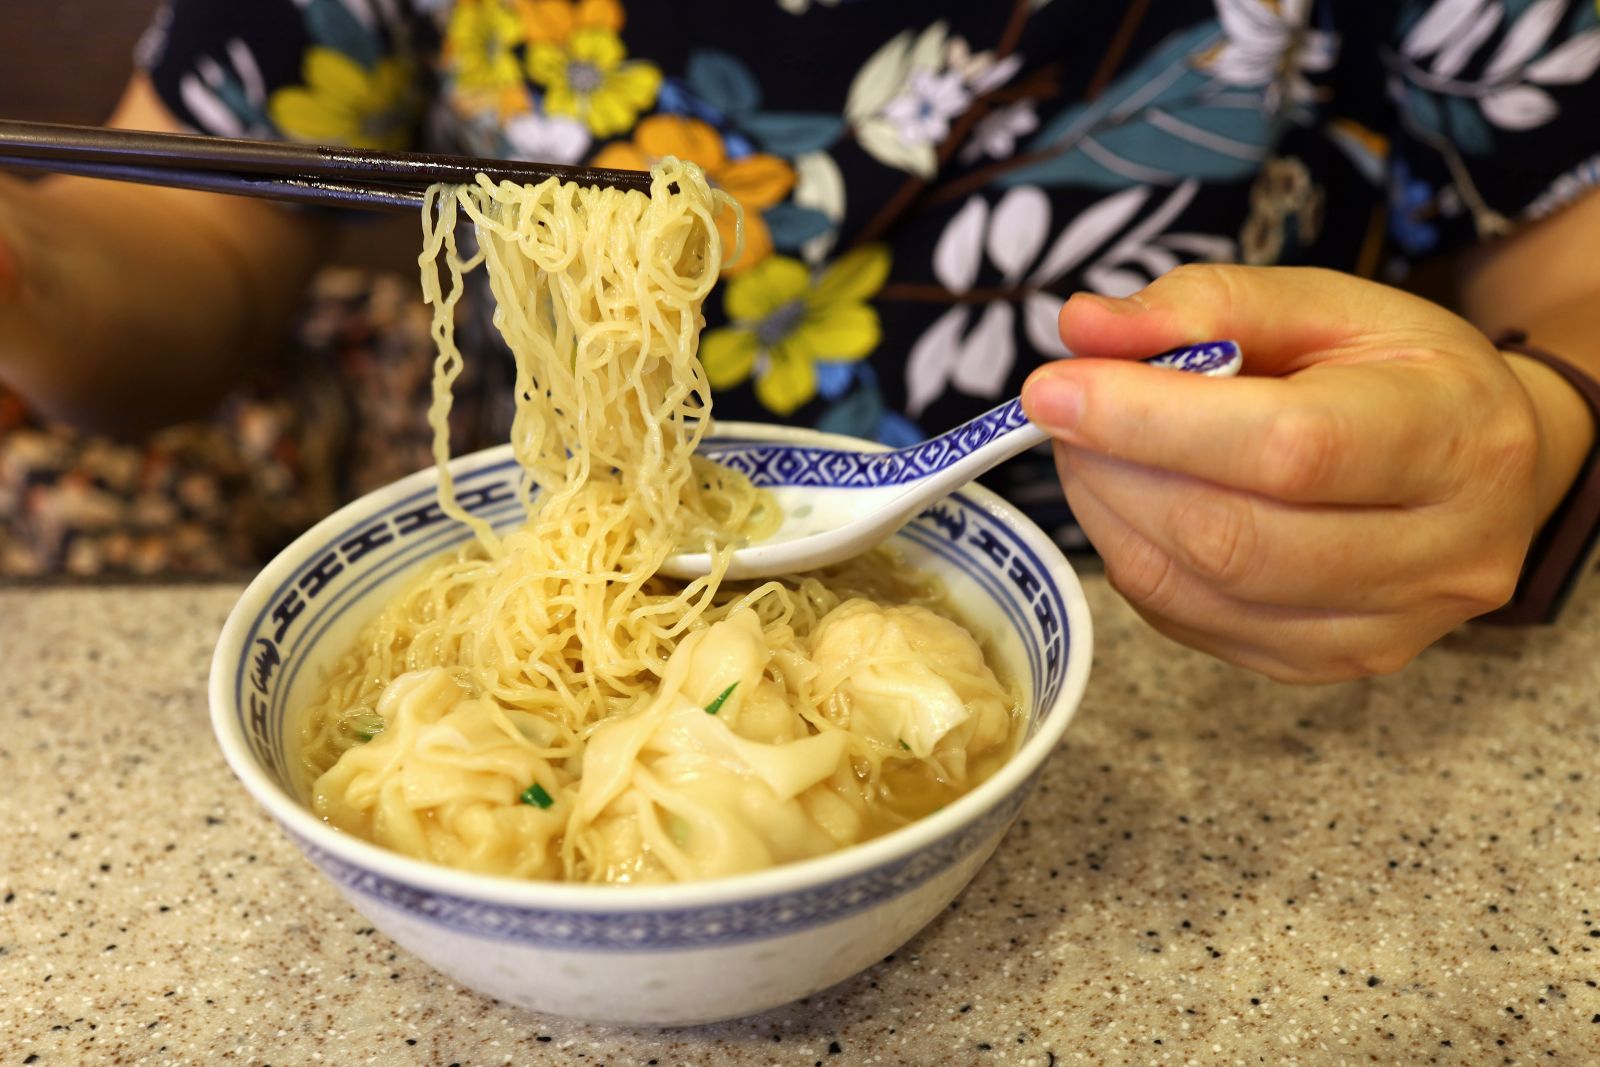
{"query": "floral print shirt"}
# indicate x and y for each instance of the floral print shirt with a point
(924, 183)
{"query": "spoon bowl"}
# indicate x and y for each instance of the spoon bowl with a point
(837, 503)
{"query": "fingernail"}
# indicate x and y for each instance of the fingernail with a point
(1055, 403)
(1117, 305)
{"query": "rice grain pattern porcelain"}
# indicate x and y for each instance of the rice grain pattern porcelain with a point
(641, 955)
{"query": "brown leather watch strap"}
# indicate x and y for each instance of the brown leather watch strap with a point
(1563, 549)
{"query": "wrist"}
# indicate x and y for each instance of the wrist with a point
(1566, 401)
(1566, 428)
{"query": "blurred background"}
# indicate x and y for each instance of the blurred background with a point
(67, 60)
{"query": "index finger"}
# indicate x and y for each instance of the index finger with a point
(1331, 434)
(1284, 318)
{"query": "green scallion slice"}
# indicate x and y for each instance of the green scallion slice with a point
(366, 726)
(536, 796)
(716, 705)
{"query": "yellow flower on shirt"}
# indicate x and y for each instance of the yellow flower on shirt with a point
(577, 57)
(784, 320)
(347, 104)
(479, 49)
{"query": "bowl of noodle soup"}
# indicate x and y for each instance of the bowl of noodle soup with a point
(656, 955)
(572, 784)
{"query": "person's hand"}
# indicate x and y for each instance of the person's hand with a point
(1371, 483)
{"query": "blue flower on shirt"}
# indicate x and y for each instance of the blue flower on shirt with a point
(1411, 201)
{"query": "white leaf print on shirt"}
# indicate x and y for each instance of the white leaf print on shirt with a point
(1455, 54)
(1521, 107)
(800, 7)
(1526, 36)
(959, 253)
(945, 355)
(933, 358)
(1017, 230)
(1439, 47)
(205, 91)
(1109, 274)
(1092, 228)
(1443, 22)
(977, 359)
(1568, 63)
(1041, 321)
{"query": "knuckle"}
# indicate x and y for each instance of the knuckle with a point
(1295, 674)
(1510, 449)
(1485, 586)
(1375, 662)
(1494, 449)
(1208, 292)
(1300, 454)
(1216, 537)
(1335, 666)
(1350, 650)
(1143, 574)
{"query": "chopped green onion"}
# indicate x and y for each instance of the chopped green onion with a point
(716, 705)
(905, 746)
(365, 727)
(536, 796)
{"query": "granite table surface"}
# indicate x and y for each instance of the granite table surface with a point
(1215, 869)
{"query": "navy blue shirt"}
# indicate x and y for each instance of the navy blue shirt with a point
(924, 183)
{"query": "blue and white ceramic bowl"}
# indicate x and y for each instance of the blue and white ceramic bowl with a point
(641, 955)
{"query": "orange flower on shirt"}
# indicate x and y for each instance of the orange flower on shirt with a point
(575, 54)
(757, 181)
(553, 21)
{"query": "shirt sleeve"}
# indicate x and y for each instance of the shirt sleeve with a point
(345, 72)
(1495, 103)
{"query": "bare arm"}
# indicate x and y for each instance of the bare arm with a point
(1546, 280)
(125, 307)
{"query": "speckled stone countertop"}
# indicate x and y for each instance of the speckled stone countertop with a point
(1214, 870)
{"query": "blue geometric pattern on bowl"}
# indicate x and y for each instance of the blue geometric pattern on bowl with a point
(751, 920)
(773, 463)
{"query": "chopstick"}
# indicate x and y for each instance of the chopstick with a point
(347, 177)
(367, 197)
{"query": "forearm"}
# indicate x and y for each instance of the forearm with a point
(125, 307)
(130, 306)
(1545, 281)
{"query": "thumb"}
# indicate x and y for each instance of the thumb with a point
(1284, 318)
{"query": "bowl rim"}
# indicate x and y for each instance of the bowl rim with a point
(594, 898)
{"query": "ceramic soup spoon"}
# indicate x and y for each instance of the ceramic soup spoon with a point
(838, 503)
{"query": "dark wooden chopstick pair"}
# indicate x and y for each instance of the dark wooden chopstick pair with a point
(314, 174)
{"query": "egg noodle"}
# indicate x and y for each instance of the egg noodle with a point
(541, 704)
